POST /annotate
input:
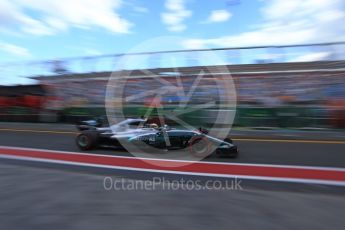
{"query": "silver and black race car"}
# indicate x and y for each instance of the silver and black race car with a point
(139, 132)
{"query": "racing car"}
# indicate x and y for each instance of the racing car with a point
(97, 122)
(137, 131)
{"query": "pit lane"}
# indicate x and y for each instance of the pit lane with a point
(43, 195)
(40, 198)
(272, 149)
(254, 147)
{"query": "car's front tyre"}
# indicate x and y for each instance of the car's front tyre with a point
(200, 147)
(229, 140)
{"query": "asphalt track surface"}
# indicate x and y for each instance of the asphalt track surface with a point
(43, 197)
(298, 148)
(37, 198)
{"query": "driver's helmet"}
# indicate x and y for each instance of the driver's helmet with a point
(154, 126)
(165, 127)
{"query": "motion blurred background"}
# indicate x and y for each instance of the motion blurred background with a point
(286, 58)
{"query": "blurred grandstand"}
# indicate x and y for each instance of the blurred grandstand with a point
(285, 86)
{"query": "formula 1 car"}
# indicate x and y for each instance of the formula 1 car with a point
(137, 131)
(98, 122)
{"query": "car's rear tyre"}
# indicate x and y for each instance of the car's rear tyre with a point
(87, 140)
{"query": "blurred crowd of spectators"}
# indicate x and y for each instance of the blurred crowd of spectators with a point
(252, 90)
(326, 90)
(291, 89)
